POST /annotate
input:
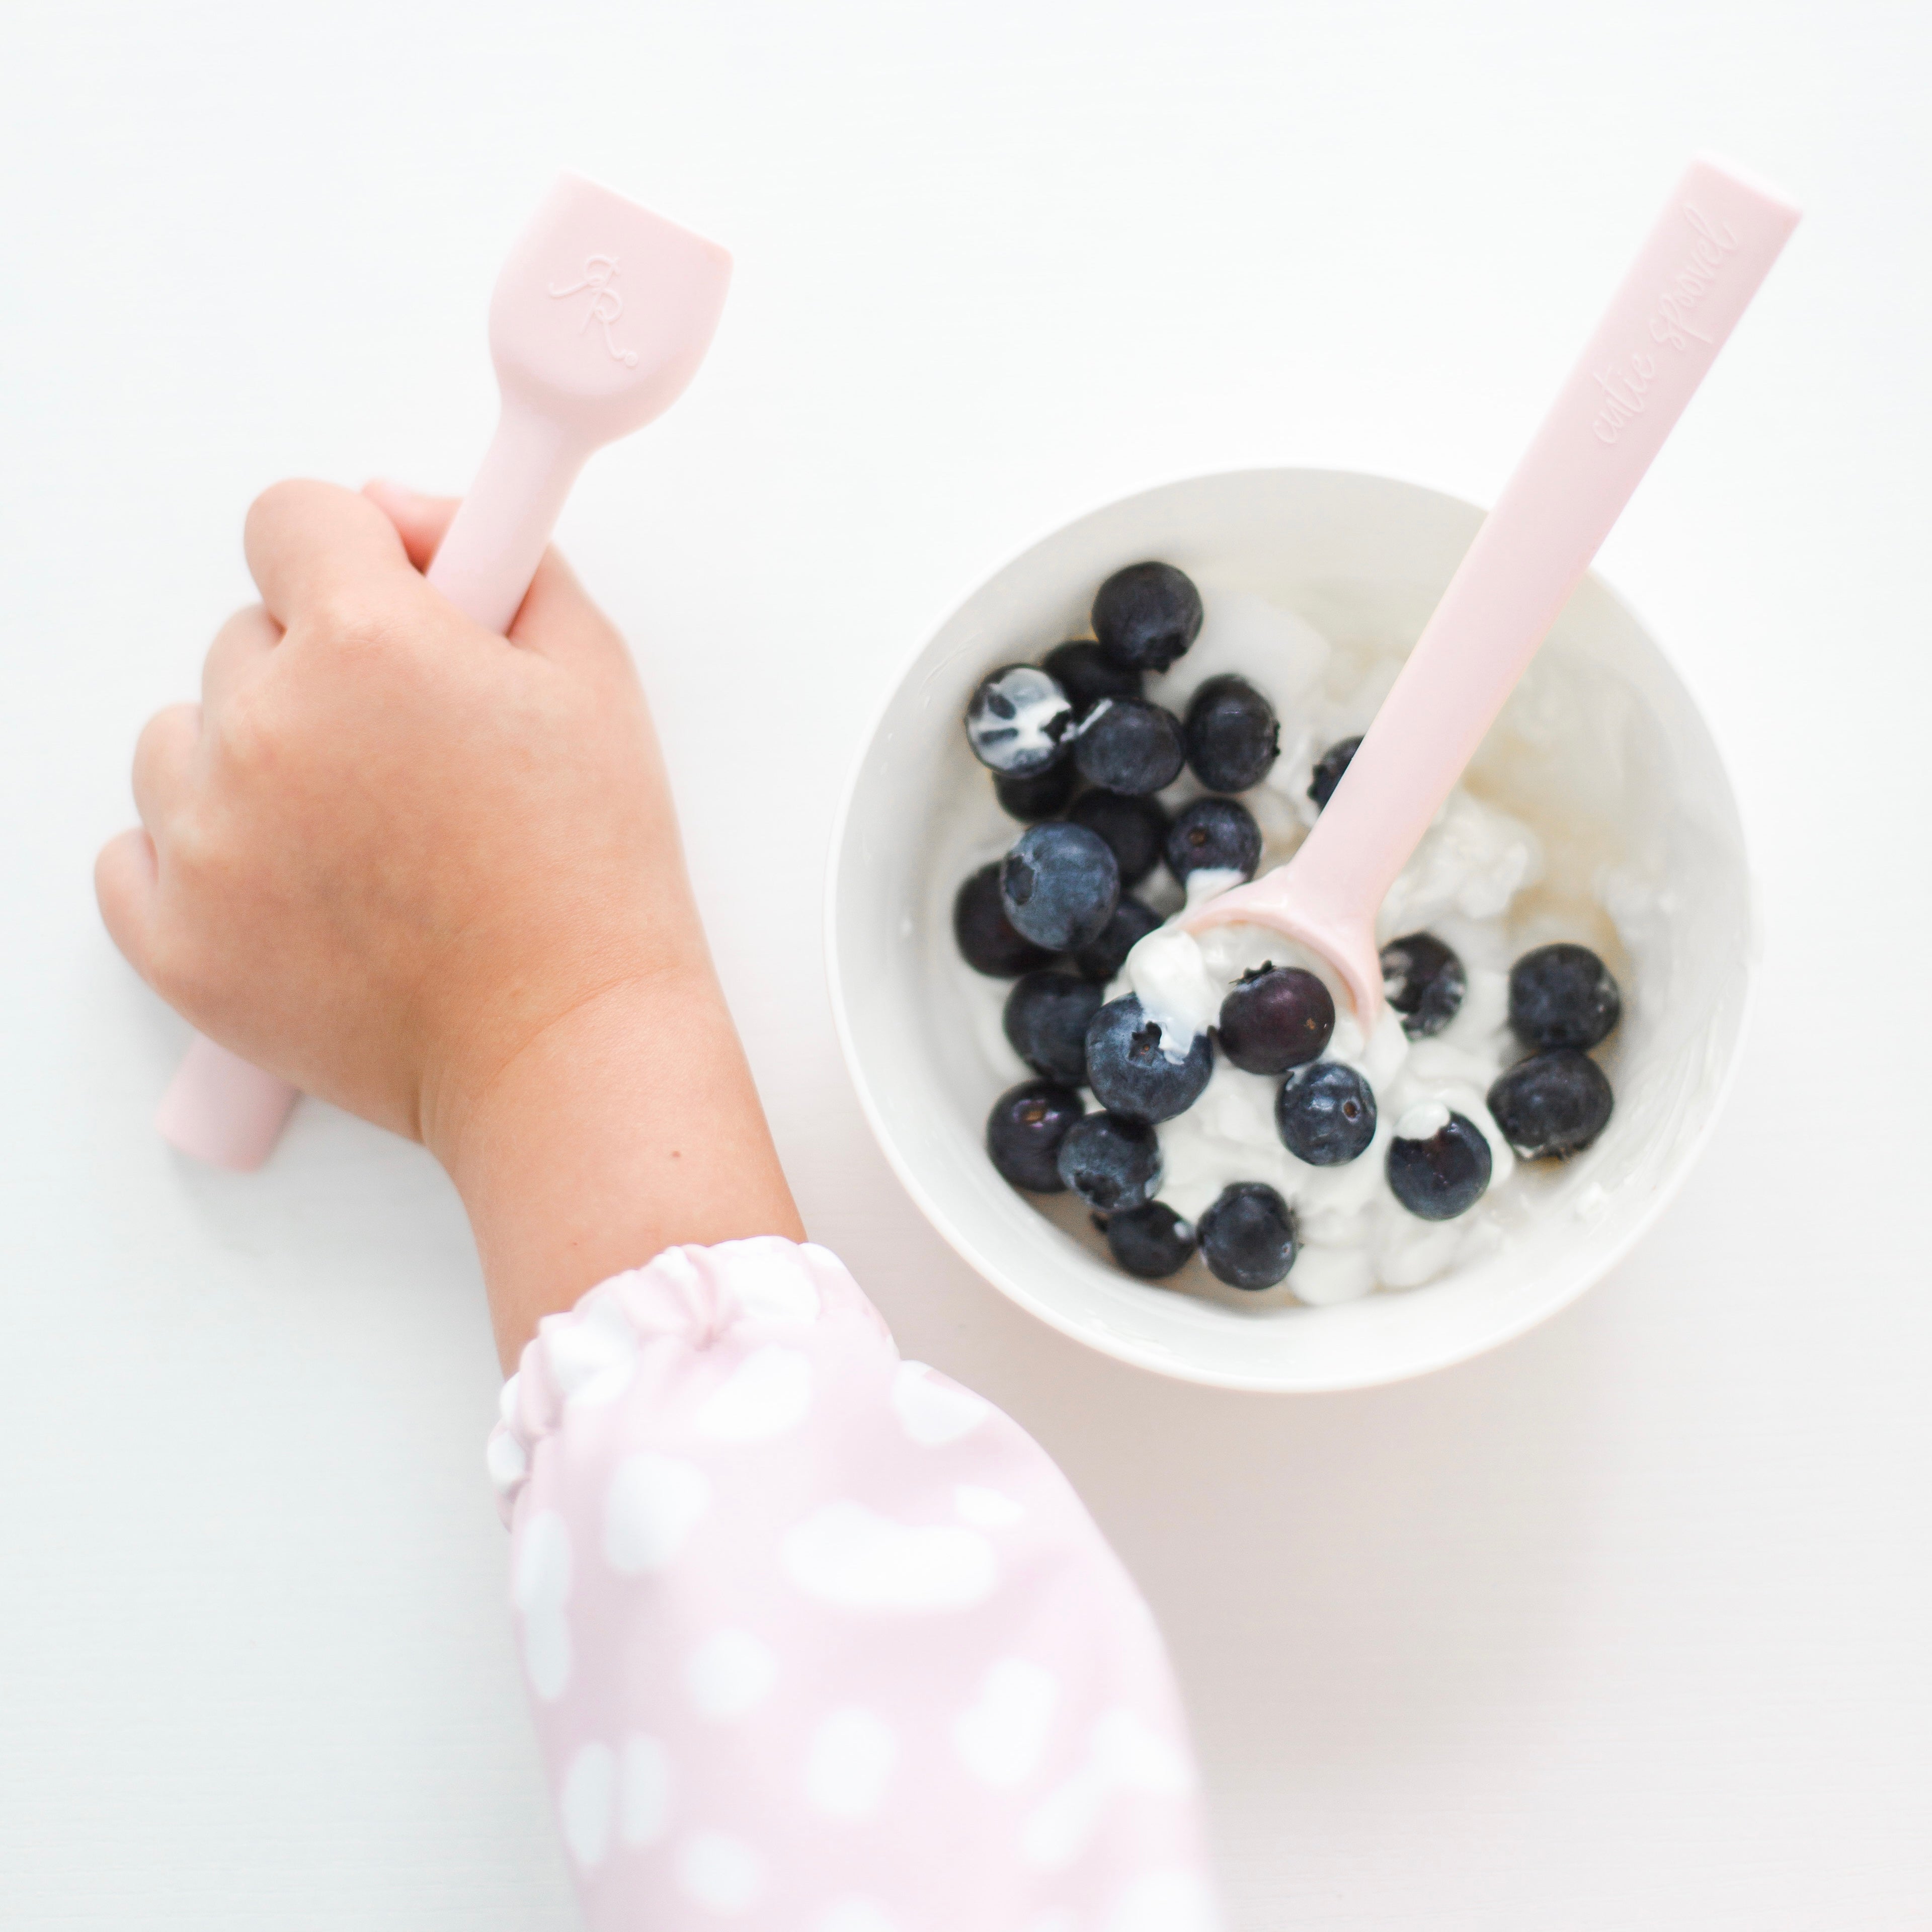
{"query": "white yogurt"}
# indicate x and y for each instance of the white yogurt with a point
(1352, 1229)
(1463, 884)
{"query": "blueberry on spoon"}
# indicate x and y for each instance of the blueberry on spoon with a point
(1277, 1018)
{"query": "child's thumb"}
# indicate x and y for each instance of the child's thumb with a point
(420, 520)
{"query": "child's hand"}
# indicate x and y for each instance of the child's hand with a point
(434, 876)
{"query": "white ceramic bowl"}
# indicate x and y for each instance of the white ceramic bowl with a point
(1637, 778)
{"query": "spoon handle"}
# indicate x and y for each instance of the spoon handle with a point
(1712, 246)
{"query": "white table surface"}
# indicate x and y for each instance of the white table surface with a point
(1625, 1626)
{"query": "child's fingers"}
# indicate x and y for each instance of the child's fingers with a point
(558, 621)
(240, 646)
(421, 521)
(311, 546)
(162, 756)
(124, 876)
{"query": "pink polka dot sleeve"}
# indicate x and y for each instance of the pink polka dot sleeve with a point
(816, 1640)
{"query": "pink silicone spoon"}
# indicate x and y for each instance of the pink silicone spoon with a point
(1713, 245)
(600, 317)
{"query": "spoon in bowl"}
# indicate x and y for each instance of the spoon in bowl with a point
(1712, 248)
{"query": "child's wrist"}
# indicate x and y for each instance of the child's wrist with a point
(474, 1090)
(627, 1124)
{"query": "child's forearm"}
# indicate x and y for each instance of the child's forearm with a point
(808, 1629)
(629, 1126)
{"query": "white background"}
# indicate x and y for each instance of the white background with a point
(1629, 1625)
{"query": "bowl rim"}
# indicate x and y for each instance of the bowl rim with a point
(1151, 1360)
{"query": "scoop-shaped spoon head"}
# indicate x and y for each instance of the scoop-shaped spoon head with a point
(601, 316)
(1712, 246)
(1346, 943)
(603, 310)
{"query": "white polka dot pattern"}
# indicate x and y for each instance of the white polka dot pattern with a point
(847, 1554)
(540, 1590)
(818, 1641)
(768, 1393)
(850, 1758)
(730, 1674)
(653, 1503)
(854, 1914)
(1001, 1735)
(1177, 1899)
(984, 1508)
(721, 1873)
(585, 1803)
(932, 1411)
(644, 1792)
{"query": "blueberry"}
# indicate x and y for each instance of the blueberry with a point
(1232, 737)
(1275, 1018)
(1444, 1176)
(1023, 1132)
(1556, 1103)
(1127, 745)
(1046, 1019)
(1017, 722)
(1424, 982)
(1562, 996)
(1129, 1072)
(1214, 835)
(1152, 1242)
(1060, 885)
(1247, 1237)
(1325, 1113)
(985, 935)
(1328, 773)
(1087, 674)
(1136, 828)
(1146, 616)
(1111, 1163)
(1100, 960)
(1044, 795)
